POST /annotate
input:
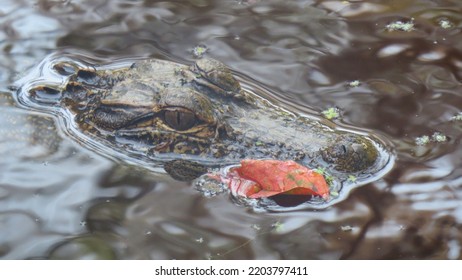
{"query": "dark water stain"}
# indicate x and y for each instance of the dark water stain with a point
(70, 202)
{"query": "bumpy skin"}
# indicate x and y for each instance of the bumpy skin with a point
(157, 107)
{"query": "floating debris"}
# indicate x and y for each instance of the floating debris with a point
(329, 178)
(334, 194)
(355, 83)
(422, 140)
(277, 226)
(256, 227)
(446, 24)
(265, 178)
(331, 113)
(352, 178)
(401, 26)
(199, 51)
(437, 137)
(457, 117)
(346, 228)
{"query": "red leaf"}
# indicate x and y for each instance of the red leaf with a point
(264, 178)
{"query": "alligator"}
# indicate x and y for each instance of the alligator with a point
(191, 116)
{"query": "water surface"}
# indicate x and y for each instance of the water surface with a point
(60, 199)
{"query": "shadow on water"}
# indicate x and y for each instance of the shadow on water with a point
(72, 203)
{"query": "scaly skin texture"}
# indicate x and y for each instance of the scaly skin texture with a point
(156, 107)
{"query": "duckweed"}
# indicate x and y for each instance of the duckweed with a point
(199, 51)
(436, 137)
(355, 83)
(457, 117)
(401, 26)
(331, 113)
(352, 178)
(446, 24)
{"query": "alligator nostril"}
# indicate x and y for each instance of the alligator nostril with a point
(64, 68)
(44, 91)
(88, 77)
(344, 149)
(45, 94)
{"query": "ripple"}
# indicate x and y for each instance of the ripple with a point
(54, 192)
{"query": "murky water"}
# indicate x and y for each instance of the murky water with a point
(391, 67)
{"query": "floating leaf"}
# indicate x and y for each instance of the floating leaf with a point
(265, 178)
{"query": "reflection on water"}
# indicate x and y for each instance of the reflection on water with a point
(60, 200)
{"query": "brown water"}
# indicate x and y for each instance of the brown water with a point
(60, 199)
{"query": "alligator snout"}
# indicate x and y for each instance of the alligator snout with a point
(350, 153)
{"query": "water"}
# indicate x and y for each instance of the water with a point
(60, 199)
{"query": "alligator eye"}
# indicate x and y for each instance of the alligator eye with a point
(180, 119)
